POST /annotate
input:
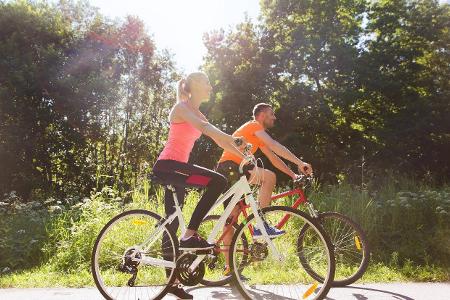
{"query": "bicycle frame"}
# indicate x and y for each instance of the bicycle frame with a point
(301, 199)
(240, 189)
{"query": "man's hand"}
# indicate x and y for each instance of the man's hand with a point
(305, 168)
(293, 175)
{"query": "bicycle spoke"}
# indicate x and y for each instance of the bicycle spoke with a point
(255, 274)
(350, 247)
(125, 270)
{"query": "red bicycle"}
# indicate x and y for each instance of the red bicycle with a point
(351, 249)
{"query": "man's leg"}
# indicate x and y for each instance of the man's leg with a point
(268, 181)
(228, 237)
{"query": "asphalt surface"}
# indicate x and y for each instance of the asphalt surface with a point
(374, 291)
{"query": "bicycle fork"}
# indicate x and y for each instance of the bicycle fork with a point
(311, 210)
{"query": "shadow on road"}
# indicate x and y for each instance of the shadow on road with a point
(231, 293)
(363, 297)
(226, 292)
(351, 292)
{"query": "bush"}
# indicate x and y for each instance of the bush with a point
(407, 224)
(22, 232)
(404, 217)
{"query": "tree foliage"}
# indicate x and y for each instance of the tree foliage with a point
(83, 99)
(360, 88)
(355, 83)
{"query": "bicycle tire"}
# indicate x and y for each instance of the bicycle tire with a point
(226, 280)
(94, 267)
(319, 293)
(364, 245)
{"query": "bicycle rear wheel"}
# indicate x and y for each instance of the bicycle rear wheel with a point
(264, 272)
(351, 248)
(133, 257)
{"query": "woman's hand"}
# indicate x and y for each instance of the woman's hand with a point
(240, 142)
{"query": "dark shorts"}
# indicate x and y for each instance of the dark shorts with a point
(230, 170)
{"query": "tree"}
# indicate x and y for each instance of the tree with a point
(353, 82)
(82, 98)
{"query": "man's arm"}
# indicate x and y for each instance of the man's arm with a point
(282, 151)
(277, 162)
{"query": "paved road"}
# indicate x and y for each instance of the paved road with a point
(377, 291)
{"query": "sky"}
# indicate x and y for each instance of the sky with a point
(179, 25)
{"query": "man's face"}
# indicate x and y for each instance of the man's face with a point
(269, 118)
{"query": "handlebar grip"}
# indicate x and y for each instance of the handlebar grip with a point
(248, 159)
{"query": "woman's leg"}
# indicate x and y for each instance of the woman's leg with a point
(215, 186)
(185, 174)
(169, 203)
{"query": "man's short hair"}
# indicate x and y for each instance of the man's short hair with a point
(260, 107)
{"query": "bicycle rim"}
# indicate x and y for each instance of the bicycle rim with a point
(351, 249)
(126, 264)
(263, 274)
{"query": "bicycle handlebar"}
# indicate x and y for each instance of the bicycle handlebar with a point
(249, 158)
(303, 179)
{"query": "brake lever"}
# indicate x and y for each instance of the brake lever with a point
(302, 180)
(247, 149)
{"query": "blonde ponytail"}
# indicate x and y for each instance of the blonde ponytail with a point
(182, 94)
(184, 85)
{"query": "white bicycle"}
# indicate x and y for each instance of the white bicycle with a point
(131, 261)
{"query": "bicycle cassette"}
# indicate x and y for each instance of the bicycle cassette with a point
(258, 251)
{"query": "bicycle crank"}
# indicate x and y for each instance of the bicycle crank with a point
(184, 276)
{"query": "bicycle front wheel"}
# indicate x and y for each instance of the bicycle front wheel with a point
(133, 257)
(351, 248)
(265, 268)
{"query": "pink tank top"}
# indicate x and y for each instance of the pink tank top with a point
(180, 142)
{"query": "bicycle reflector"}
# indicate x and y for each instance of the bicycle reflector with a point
(139, 222)
(311, 289)
(357, 242)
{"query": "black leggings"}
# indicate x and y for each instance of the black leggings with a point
(182, 175)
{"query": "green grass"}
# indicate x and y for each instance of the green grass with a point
(44, 276)
(407, 225)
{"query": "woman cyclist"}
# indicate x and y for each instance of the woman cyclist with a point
(187, 124)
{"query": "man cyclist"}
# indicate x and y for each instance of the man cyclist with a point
(254, 132)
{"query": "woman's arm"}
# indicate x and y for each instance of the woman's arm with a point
(222, 139)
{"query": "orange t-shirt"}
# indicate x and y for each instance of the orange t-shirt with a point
(247, 131)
